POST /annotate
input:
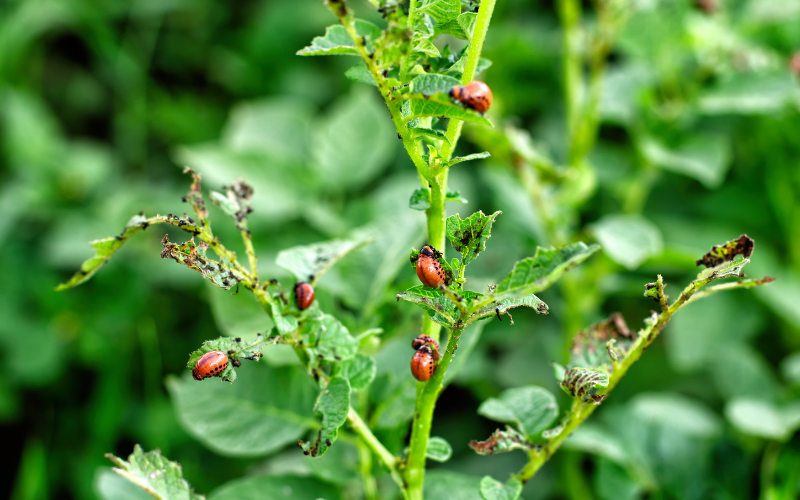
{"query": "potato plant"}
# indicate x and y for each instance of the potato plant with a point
(332, 397)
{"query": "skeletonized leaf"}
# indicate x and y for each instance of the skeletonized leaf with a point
(532, 409)
(582, 383)
(334, 404)
(194, 257)
(743, 245)
(234, 348)
(359, 370)
(105, 249)
(492, 489)
(154, 473)
(336, 41)
(309, 262)
(235, 202)
(501, 442)
(537, 273)
(593, 347)
(469, 236)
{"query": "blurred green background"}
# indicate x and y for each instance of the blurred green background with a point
(101, 103)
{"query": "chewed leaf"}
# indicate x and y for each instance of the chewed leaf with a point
(502, 307)
(105, 249)
(432, 83)
(502, 442)
(336, 41)
(235, 202)
(743, 246)
(539, 272)
(582, 383)
(334, 404)
(309, 262)
(469, 236)
(328, 338)
(235, 349)
(492, 489)
(194, 257)
(601, 343)
(155, 474)
(532, 409)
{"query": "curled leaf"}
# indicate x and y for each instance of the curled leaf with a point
(743, 245)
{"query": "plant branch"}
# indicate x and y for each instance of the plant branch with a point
(385, 456)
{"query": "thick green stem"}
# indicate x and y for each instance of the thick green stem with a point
(570, 13)
(385, 456)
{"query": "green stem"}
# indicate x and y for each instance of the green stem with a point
(385, 456)
(251, 253)
(427, 394)
(570, 13)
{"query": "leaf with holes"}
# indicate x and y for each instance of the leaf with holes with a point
(532, 409)
(469, 236)
(492, 489)
(336, 41)
(328, 339)
(334, 404)
(539, 272)
(501, 307)
(235, 202)
(235, 349)
(582, 383)
(501, 442)
(194, 257)
(600, 343)
(309, 262)
(155, 474)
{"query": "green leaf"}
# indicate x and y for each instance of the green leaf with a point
(750, 93)
(155, 474)
(439, 450)
(111, 486)
(441, 11)
(235, 349)
(435, 303)
(440, 105)
(309, 262)
(734, 268)
(444, 484)
(284, 324)
(532, 409)
(420, 199)
(452, 28)
(264, 411)
(455, 196)
(469, 236)
(428, 133)
(539, 272)
(328, 338)
(743, 245)
(431, 84)
(500, 307)
(424, 46)
(705, 157)
(104, 250)
(582, 383)
(467, 22)
(360, 73)
(476, 156)
(677, 412)
(628, 239)
(337, 41)
(502, 442)
(492, 489)
(276, 487)
(593, 347)
(763, 419)
(334, 404)
(359, 370)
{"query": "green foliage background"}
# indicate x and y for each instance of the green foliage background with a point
(101, 102)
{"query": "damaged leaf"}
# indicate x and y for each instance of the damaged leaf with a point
(194, 257)
(502, 307)
(501, 442)
(195, 196)
(155, 474)
(235, 202)
(743, 246)
(310, 262)
(328, 339)
(592, 346)
(235, 349)
(532, 409)
(582, 383)
(334, 404)
(469, 236)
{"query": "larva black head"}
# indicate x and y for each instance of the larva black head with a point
(425, 349)
(428, 250)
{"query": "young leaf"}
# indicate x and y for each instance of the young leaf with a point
(359, 370)
(581, 383)
(469, 236)
(309, 262)
(105, 249)
(194, 257)
(537, 273)
(424, 46)
(435, 303)
(428, 133)
(439, 450)
(334, 404)
(593, 347)
(235, 349)
(452, 28)
(360, 73)
(337, 41)
(420, 199)
(532, 409)
(155, 474)
(467, 22)
(328, 338)
(260, 414)
(431, 83)
(455, 196)
(628, 239)
(492, 489)
(476, 156)
(743, 245)
(502, 442)
(500, 307)
(441, 106)
(441, 11)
